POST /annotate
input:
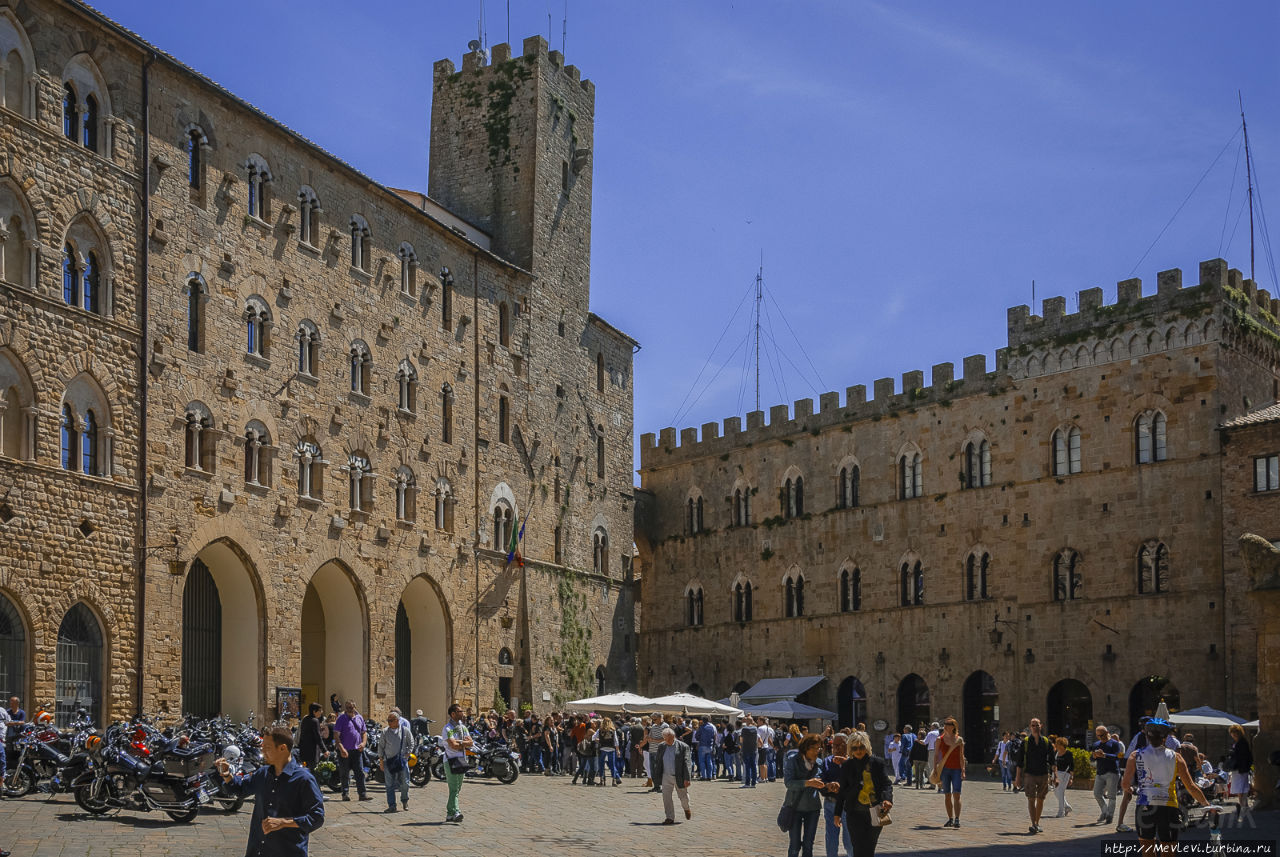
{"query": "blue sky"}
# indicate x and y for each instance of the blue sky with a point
(906, 169)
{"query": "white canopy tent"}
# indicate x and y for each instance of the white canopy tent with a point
(687, 703)
(611, 702)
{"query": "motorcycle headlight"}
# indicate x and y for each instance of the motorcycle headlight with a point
(413, 760)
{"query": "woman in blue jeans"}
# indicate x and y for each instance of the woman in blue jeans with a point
(804, 785)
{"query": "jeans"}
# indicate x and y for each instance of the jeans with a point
(531, 761)
(609, 763)
(400, 779)
(1104, 792)
(455, 788)
(348, 764)
(749, 769)
(1060, 791)
(832, 837)
(731, 765)
(770, 761)
(904, 768)
(1006, 775)
(803, 829)
(706, 769)
(861, 833)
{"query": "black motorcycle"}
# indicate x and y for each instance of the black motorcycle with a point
(426, 755)
(486, 759)
(47, 760)
(142, 772)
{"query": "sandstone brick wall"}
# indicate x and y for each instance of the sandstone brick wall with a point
(266, 546)
(1181, 352)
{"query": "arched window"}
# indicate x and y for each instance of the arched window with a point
(794, 585)
(257, 455)
(446, 300)
(18, 415)
(444, 505)
(504, 420)
(917, 595)
(70, 276)
(310, 470)
(308, 348)
(309, 212)
(408, 269)
(848, 484)
(1152, 437)
(16, 69)
(70, 439)
(360, 245)
(1066, 451)
(257, 327)
(360, 472)
(89, 444)
(200, 442)
(195, 165)
(16, 229)
(259, 180)
(91, 281)
(976, 567)
(502, 526)
(406, 495)
(850, 590)
(600, 462)
(197, 294)
(742, 506)
(1068, 583)
(85, 278)
(90, 123)
(792, 497)
(693, 606)
(70, 113)
(78, 666)
(910, 475)
(600, 371)
(504, 325)
(742, 601)
(977, 463)
(361, 368)
(600, 551)
(1153, 569)
(446, 414)
(407, 382)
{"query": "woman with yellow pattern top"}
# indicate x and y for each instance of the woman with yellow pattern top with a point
(863, 784)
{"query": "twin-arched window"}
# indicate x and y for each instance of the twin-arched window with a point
(310, 470)
(742, 601)
(976, 568)
(1068, 580)
(1153, 569)
(850, 590)
(600, 551)
(1066, 451)
(308, 348)
(258, 175)
(977, 463)
(81, 278)
(257, 455)
(407, 384)
(1151, 437)
(201, 441)
(910, 475)
(361, 368)
(694, 515)
(360, 249)
(503, 521)
(793, 595)
(309, 212)
(742, 506)
(82, 440)
(912, 584)
(360, 473)
(848, 486)
(257, 327)
(406, 495)
(408, 269)
(693, 606)
(444, 505)
(791, 497)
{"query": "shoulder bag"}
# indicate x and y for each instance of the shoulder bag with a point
(935, 776)
(786, 815)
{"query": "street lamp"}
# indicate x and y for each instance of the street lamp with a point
(995, 634)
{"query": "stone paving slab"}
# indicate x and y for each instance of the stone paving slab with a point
(548, 816)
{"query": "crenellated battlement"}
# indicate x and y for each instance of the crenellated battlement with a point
(535, 48)
(888, 398)
(1175, 316)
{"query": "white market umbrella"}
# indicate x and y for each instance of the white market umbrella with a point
(621, 701)
(687, 703)
(1204, 716)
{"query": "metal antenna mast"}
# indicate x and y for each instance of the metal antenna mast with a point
(759, 298)
(1248, 171)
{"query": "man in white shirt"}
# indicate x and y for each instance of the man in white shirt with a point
(931, 741)
(766, 733)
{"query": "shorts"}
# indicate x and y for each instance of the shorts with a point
(1035, 785)
(951, 781)
(1159, 823)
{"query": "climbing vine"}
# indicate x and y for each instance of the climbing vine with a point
(574, 657)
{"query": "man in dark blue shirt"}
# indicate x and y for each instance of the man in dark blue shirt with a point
(1108, 753)
(287, 802)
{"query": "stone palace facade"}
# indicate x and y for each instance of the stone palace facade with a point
(1053, 538)
(267, 426)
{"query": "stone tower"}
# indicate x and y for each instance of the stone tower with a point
(511, 152)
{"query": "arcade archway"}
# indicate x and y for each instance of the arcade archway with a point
(422, 633)
(851, 703)
(1146, 696)
(981, 716)
(1069, 711)
(913, 703)
(334, 638)
(222, 652)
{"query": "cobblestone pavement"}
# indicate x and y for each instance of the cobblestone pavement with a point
(547, 816)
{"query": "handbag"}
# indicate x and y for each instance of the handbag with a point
(394, 764)
(786, 815)
(457, 765)
(880, 817)
(935, 776)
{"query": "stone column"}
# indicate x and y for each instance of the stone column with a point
(29, 435)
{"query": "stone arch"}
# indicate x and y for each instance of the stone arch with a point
(1119, 350)
(502, 491)
(1210, 330)
(1101, 353)
(423, 648)
(1083, 356)
(1051, 364)
(1172, 338)
(1136, 345)
(15, 588)
(1066, 360)
(13, 39)
(87, 591)
(20, 257)
(334, 622)
(197, 266)
(241, 634)
(83, 72)
(1033, 365)
(1191, 336)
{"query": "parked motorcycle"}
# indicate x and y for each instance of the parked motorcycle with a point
(135, 768)
(485, 759)
(425, 757)
(46, 759)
